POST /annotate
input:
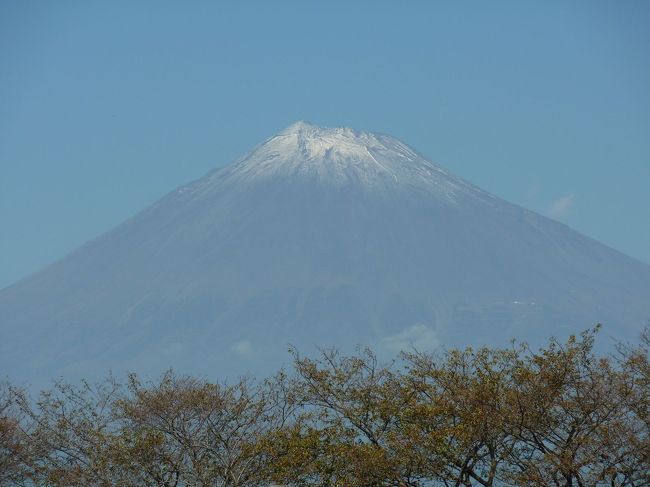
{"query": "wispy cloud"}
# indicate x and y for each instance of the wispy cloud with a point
(242, 347)
(561, 206)
(420, 337)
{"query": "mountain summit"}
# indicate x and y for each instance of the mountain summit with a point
(345, 157)
(318, 236)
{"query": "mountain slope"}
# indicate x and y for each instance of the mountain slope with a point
(318, 236)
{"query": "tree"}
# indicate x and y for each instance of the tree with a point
(13, 454)
(632, 465)
(199, 433)
(460, 424)
(348, 433)
(573, 426)
(67, 435)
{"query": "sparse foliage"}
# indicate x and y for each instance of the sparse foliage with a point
(559, 416)
(13, 456)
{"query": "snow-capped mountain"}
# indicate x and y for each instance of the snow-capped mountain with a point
(327, 237)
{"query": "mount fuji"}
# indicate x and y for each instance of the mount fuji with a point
(318, 236)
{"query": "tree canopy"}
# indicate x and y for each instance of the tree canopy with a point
(558, 416)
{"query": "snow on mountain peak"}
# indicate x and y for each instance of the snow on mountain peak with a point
(345, 157)
(327, 145)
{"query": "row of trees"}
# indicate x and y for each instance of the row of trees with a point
(559, 416)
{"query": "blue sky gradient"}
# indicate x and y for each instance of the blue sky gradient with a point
(105, 107)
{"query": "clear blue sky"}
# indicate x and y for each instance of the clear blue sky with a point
(106, 106)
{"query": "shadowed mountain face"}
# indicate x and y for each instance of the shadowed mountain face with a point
(318, 236)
